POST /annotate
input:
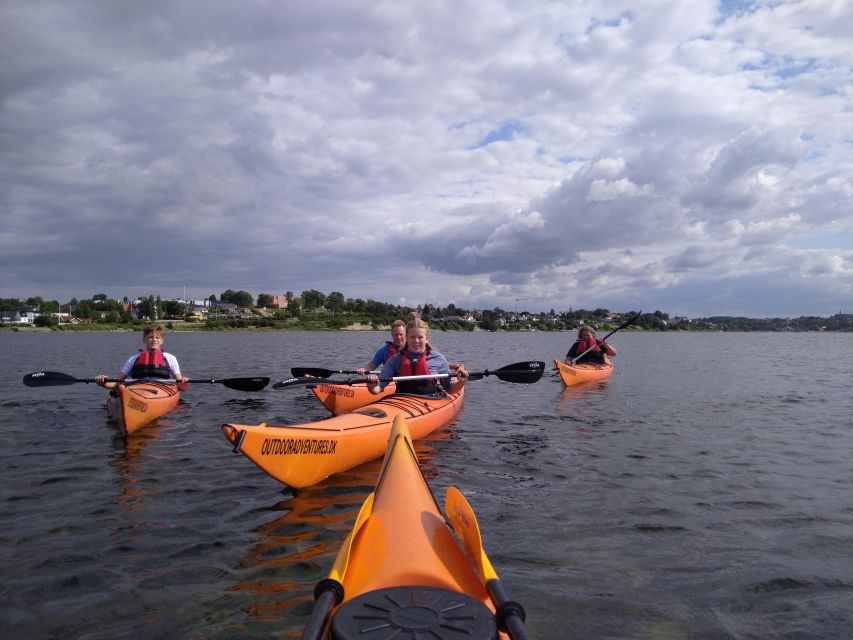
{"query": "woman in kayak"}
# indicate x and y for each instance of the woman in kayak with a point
(596, 350)
(151, 363)
(418, 359)
(387, 350)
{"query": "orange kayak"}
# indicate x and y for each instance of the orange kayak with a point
(136, 404)
(304, 454)
(340, 398)
(586, 372)
(401, 572)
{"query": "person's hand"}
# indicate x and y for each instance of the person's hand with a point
(361, 371)
(101, 380)
(462, 373)
(183, 383)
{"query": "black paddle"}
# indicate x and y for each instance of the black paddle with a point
(627, 323)
(526, 372)
(301, 372)
(55, 378)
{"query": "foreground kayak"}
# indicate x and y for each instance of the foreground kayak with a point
(136, 404)
(401, 573)
(340, 398)
(586, 372)
(304, 454)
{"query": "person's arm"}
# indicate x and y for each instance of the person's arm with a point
(461, 378)
(389, 370)
(363, 369)
(101, 380)
(175, 370)
(607, 349)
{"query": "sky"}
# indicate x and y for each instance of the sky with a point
(692, 157)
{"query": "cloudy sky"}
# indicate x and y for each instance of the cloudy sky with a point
(694, 157)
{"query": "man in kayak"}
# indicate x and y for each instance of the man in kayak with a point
(387, 350)
(418, 359)
(597, 351)
(151, 363)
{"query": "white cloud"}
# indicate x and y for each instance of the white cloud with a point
(634, 150)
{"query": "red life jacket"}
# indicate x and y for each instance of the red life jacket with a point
(392, 351)
(420, 367)
(150, 364)
(422, 387)
(582, 345)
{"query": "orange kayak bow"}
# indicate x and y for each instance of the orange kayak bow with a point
(403, 573)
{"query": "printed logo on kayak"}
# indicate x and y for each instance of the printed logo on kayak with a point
(336, 390)
(136, 405)
(297, 446)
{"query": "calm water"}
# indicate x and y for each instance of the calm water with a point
(704, 491)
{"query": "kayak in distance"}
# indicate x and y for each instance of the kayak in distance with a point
(133, 405)
(587, 372)
(343, 397)
(304, 454)
(401, 572)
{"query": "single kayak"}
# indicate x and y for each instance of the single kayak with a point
(401, 572)
(303, 454)
(586, 372)
(341, 398)
(133, 405)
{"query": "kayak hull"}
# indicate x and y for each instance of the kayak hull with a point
(572, 374)
(341, 398)
(303, 454)
(137, 404)
(401, 568)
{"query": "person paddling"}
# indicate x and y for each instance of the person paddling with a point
(418, 359)
(151, 363)
(597, 351)
(387, 350)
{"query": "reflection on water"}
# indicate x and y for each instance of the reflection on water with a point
(296, 549)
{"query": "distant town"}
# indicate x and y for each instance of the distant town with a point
(314, 310)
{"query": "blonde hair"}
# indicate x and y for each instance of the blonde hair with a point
(417, 323)
(153, 328)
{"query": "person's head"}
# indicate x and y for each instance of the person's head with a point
(153, 336)
(585, 332)
(417, 335)
(398, 333)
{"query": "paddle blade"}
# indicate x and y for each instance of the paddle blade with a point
(520, 372)
(49, 379)
(301, 372)
(246, 384)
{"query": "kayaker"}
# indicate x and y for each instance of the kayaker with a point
(418, 359)
(598, 349)
(387, 350)
(151, 363)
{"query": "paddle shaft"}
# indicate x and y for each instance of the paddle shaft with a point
(55, 378)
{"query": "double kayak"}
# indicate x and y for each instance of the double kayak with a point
(133, 405)
(303, 454)
(402, 573)
(585, 372)
(341, 398)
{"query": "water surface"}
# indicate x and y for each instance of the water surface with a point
(704, 491)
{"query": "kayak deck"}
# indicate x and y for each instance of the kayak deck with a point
(587, 372)
(341, 398)
(304, 454)
(401, 571)
(136, 404)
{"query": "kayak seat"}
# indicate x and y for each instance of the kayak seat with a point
(414, 612)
